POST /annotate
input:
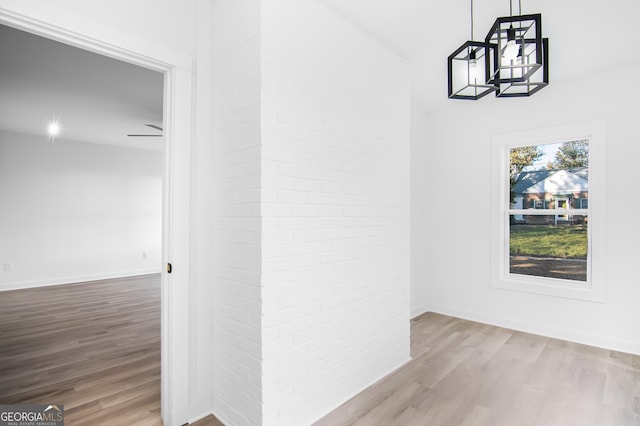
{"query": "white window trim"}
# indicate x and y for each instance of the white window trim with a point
(594, 289)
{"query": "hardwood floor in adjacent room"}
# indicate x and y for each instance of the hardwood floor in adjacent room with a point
(470, 374)
(93, 347)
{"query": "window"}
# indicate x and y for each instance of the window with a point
(544, 239)
(538, 204)
(552, 243)
(584, 203)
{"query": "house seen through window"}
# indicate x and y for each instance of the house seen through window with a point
(549, 210)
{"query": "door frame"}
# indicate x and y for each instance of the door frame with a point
(562, 217)
(48, 21)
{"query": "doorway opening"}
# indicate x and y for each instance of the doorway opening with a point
(176, 125)
(83, 211)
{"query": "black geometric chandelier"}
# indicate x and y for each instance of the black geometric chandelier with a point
(514, 54)
(467, 69)
(533, 83)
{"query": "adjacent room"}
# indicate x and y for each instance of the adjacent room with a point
(370, 212)
(81, 229)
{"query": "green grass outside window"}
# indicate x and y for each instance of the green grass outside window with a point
(564, 241)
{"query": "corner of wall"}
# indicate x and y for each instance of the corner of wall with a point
(236, 225)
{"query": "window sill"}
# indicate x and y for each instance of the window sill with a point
(549, 287)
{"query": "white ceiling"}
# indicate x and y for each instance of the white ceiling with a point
(585, 36)
(100, 100)
(95, 98)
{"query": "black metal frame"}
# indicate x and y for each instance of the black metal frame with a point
(471, 48)
(530, 87)
(498, 33)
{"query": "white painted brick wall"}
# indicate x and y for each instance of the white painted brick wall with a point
(236, 223)
(311, 211)
(335, 211)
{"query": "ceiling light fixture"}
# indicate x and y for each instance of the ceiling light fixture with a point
(53, 129)
(467, 67)
(536, 82)
(520, 64)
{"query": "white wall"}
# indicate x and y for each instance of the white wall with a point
(311, 211)
(166, 22)
(76, 211)
(419, 226)
(335, 211)
(237, 299)
(450, 201)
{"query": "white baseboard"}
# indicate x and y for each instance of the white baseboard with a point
(343, 400)
(575, 336)
(416, 312)
(361, 389)
(76, 279)
(220, 417)
(196, 411)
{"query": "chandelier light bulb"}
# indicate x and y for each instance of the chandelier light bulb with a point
(519, 60)
(473, 71)
(473, 67)
(510, 51)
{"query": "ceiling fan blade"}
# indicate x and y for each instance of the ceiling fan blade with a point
(145, 136)
(153, 126)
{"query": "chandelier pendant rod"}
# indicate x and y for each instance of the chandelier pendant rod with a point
(471, 19)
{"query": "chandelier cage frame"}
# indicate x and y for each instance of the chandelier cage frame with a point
(466, 69)
(461, 82)
(513, 60)
(533, 84)
(526, 33)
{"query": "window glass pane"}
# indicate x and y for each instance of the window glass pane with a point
(549, 176)
(548, 247)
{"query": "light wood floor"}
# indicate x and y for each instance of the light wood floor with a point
(470, 374)
(94, 347)
(208, 421)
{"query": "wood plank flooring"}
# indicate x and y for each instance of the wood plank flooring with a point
(94, 347)
(470, 374)
(208, 421)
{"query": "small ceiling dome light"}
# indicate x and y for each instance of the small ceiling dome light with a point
(53, 129)
(467, 69)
